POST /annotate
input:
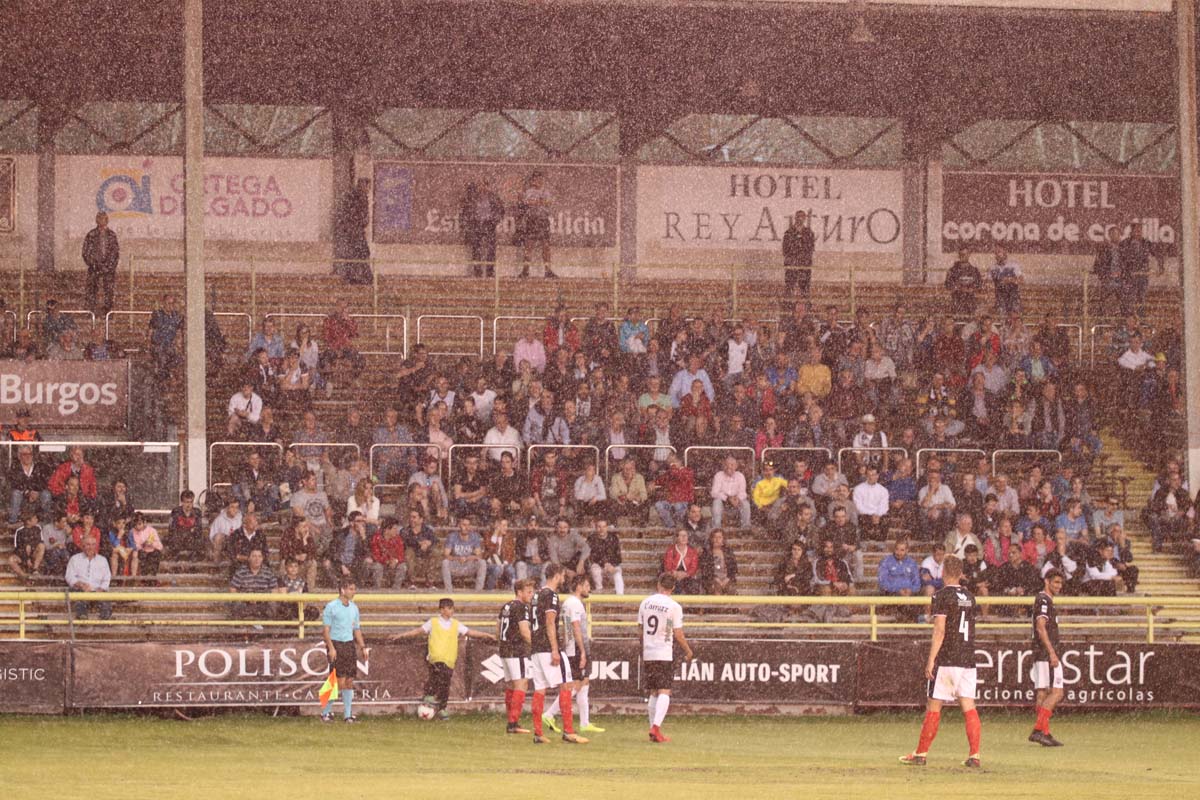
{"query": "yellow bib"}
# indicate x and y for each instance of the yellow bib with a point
(443, 642)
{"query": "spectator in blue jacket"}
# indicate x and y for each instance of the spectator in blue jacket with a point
(899, 576)
(1038, 365)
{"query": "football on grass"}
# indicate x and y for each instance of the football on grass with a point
(425, 711)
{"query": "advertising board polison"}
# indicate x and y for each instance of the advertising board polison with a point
(750, 208)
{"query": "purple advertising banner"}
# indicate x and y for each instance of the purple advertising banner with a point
(1055, 214)
(420, 202)
(33, 677)
(1099, 675)
(268, 673)
(61, 394)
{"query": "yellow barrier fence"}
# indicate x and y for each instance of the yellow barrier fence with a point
(616, 611)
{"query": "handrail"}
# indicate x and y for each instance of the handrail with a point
(477, 318)
(608, 461)
(1092, 340)
(496, 327)
(1056, 453)
(516, 452)
(16, 324)
(243, 315)
(108, 323)
(819, 450)
(750, 464)
(885, 450)
(945, 450)
(529, 452)
(387, 335)
(396, 446)
(257, 445)
(325, 445)
(70, 312)
(59, 446)
(1078, 338)
(1153, 606)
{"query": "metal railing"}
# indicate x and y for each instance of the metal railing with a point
(924, 450)
(818, 451)
(485, 449)
(69, 312)
(237, 445)
(108, 326)
(387, 334)
(748, 468)
(431, 317)
(34, 610)
(325, 447)
(15, 321)
(884, 450)
(238, 315)
(506, 317)
(558, 447)
(1052, 453)
(608, 462)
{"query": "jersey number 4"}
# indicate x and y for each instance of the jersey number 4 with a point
(964, 627)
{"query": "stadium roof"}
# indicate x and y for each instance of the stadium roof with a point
(937, 68)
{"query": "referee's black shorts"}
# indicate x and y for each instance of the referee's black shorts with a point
(660, 675)
(346, 662)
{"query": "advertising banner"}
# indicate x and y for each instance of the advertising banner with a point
(420, 202)
(749, 208)
(269, 673)
(245, 199)
(1055, 214)
(1099, 675)
(76, 394)
(33, 677)
(613, 669)
(8, 194)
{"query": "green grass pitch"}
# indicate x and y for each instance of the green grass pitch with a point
(255, 756)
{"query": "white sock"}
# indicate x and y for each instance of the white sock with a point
(581, 703)
(651, 704)
(660, 711)
(554, 707)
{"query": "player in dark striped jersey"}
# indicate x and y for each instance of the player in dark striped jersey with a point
(951, 664)
(1047, 668)
(515, 635)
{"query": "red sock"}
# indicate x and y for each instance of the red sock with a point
(564, 702)
(508, 703)
(539, 704)
(928, 731)
(971, 718)
(1043, 720)
(514, 709)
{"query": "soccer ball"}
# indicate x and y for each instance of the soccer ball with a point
(426, 712)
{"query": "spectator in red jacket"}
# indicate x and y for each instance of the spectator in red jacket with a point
(388, 567)
(76, 466)
(683, 561)
(560, 332)
(677, 488)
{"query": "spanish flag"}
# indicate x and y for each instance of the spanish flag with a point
(329, 690)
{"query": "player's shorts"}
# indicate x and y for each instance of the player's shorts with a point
(548, 676)
(515, 669)
(660, 675)
(346, 662)
(952, 683)
(1046, 678)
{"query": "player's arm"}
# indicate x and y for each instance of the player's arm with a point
(329, 648)
(552, 633)
(526, 631)
(474, 634)
(682, 641)
(412, 634)
(577, 633)
(939, 635)
(1044, 636)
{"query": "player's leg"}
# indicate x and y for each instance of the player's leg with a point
(444, 674)
(583, 700)
(517, 699)
(974, 729)
(564, 700)
(660, 715)
(936, 693)
(347, 669)
(539, 695)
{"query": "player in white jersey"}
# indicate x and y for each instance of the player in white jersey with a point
(660, 619)
(577, 647)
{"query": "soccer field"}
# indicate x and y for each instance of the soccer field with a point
(1152, 755)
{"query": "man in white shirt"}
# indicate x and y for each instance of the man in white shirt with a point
(244, 408)
(737, 352)
(1008, 501)
(871, 501)
(1137, 368)
(577, 647)
(484, 399)
(223, 526)
(729, 488)
(936, 502)
(959, 538)
(530, 348)
(660, 620)
(88, 572)
(502, 433)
